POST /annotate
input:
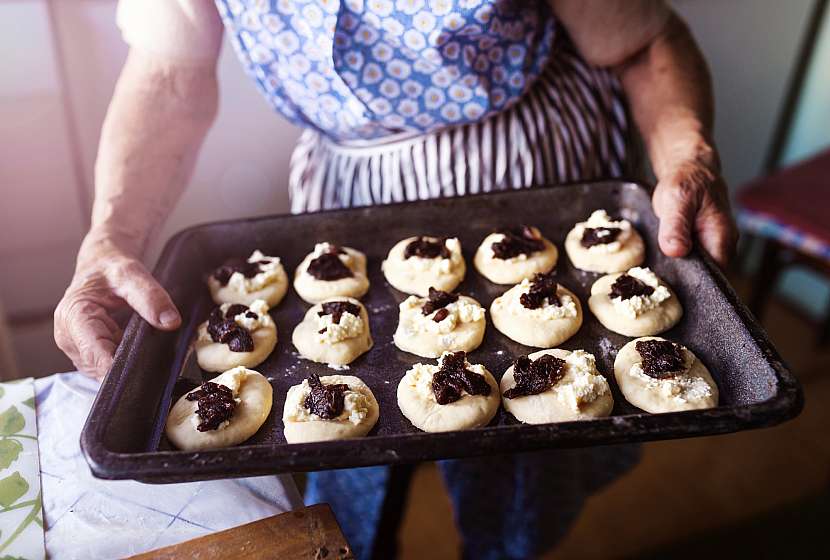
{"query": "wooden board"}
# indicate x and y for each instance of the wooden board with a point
(309, 533)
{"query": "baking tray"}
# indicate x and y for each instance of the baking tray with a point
(124, 434)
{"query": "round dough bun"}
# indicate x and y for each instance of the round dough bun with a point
(465, 336)
(217, 357)
(255, 397)
(313, 290)
(513, 271)
(308, 431)
(272, 293)
(470, 411)
(404, 276)
(636, 390)
(533, 331)
(546, 408)
(631, 254)
(305, 338)
(650, 322)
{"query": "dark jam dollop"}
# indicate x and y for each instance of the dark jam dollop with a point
(438, 299)
(427, 248)
(535, 376)
(661, 358)
(215, 405)
(328, 266)
(337, 308)
(599, 236)
(519, 240)
(627, 287)
(248, 270)
(453, 377)
(542, 288)
(222, 328)
(326, 401)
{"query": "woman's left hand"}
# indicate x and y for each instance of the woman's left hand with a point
(692, 201)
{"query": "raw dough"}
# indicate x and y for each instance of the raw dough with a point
(627, 251)
(545, 327)
(637, 316)
(253, 396)
(359, 414)
(416, 275)
(341, 343)
(216, 356)
(462, 329)
(269, 285)
(313, 290)
(693, 389)
(516, 269)
(583, 393)
(417, 402)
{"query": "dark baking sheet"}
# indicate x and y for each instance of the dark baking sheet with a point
(124, 435)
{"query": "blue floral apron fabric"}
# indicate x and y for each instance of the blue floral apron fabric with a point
(362, 69)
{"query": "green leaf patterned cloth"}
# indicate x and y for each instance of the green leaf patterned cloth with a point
(21, 517)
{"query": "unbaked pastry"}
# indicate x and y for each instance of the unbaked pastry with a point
(538, 312)
(635, 303)
(416, 264)
(235, 335)
(441, 322)
(601, 244)
(245, 281)
(561, 387)
(669, 378)
(329, 408)
(510, 255)
(335, 331)
(425, 387)
(230, 414)
(328, 278)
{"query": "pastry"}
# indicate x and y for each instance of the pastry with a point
(329, 408)
(453, 395)
(235, 335)
(416, 264)
(555, 386)
(604, 245)
(441, 322)
(331, 271)
(658, 375)
(634, 303)
(245, 281)
(335, 331)
(224, 411)
(538, 312)
(511, 255)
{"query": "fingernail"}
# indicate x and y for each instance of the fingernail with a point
(677, 242)
(168, 318)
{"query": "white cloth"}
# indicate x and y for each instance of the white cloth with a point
(87, 518)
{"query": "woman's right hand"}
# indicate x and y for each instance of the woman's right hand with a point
(107, 278)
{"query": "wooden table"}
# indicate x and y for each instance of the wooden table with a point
(309, 533)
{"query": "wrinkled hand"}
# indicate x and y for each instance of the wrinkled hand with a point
(106, 280)
(692, 201)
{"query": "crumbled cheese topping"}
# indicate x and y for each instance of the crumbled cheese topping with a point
(512, 301)
(682, 386)
(601, 219)
(463, 310)
(419, 376)
(582, 384)
(269, 272)
(350, 326)
(439, 265)
(635, 306)
(355, 405)
(232, 379)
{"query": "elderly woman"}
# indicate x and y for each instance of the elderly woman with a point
(405, 100)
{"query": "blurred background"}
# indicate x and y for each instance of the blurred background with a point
(771, 66)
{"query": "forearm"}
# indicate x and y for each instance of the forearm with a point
(670, 94)
(159, 115)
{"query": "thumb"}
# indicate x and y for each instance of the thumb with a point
(134, 284)
(676, 207)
